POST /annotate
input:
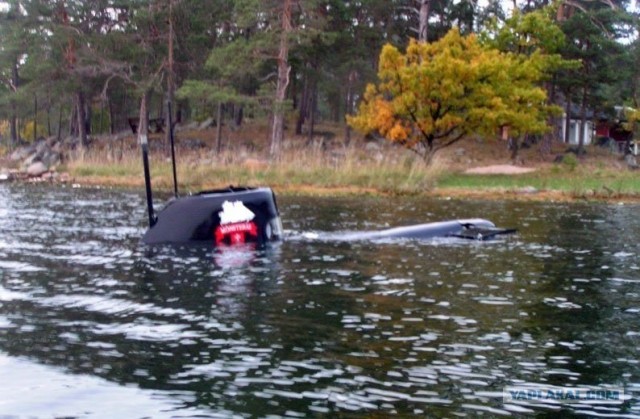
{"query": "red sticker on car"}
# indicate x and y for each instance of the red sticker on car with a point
(236, 233)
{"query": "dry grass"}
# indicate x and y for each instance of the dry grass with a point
(326, 165)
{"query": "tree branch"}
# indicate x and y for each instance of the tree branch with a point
(452, 141)
(409, 8)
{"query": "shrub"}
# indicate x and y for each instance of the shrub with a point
(570, 161)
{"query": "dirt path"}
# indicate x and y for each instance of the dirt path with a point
(499, 169)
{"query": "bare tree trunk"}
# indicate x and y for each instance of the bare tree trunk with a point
(170, 77)
(15, 80)
(59, 134)
(547, 138)
(336, 109)
(112, 128)
(49, 130)
(73, 120)
(143, 118)
(583, 120)
(81, 115)
(35, 117)
(179, 112)
(102, 112)
(583, 107)
(277, 131)
(49, 119)
(515, 148)
(219, 129)
(353, 76)
(312, 110)
(294, 88)
(302, 108)
(347, 134)
(124, 111)
(88, 117)
(238, 115)
(424, 20)
(14, 125)
(557, 120)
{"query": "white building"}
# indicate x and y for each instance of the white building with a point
(574, 130)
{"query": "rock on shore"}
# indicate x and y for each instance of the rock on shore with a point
(36, 161)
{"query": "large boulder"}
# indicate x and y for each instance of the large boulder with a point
(188, 127)
(207, 123)
(41, 146)
(22, 153)
(631, 161)
(51, 158)
(29, 160)
(37, 169)
(5, 176)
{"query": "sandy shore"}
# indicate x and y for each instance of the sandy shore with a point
(499, 169)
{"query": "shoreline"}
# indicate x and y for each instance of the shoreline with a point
(458, 193)
(473, 171)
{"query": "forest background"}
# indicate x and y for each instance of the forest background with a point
(80, 70)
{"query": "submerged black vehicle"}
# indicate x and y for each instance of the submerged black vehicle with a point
(242, 215)
(224, 217)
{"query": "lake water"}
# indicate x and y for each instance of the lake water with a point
(94, 324)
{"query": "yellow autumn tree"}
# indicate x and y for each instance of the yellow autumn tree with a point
(439, 93)
(632, 115)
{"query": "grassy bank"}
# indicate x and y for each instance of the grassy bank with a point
(357, 170)
(326, 165)
(582, 183)
(348, 170)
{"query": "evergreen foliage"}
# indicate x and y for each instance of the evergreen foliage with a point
(63, 61)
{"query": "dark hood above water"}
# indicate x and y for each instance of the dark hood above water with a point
(475, 229)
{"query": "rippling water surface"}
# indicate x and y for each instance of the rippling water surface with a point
(94, 324)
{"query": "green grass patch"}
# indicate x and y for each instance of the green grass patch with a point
(576, 181)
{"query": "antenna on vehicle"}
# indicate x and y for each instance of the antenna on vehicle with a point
(173, 150)
(144, 145)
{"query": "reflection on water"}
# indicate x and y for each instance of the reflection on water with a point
(91, 321)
